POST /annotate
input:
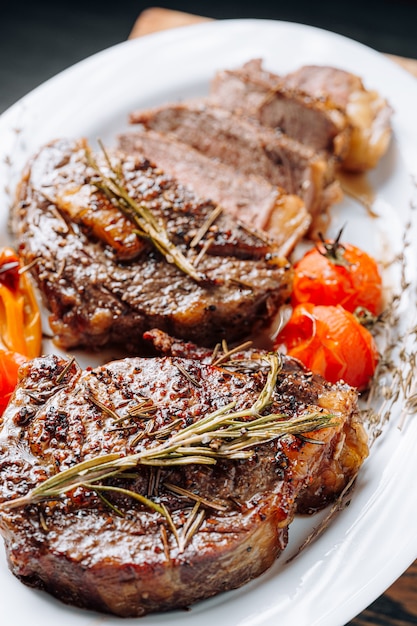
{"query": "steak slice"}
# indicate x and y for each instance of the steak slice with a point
(248, 198)
(227, 522)
(103, 285)
(368, 113)
(252, 91)
(250, 148)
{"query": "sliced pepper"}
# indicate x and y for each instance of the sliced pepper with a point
(10, 363)
(20, 323)
(20, 318)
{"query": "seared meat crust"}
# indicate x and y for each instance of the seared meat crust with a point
(326, 108)
(339, 464)
(126, 560)
(314, 121)
(103, 285)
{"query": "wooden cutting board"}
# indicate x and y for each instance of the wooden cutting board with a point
(155, 19)
(398, 605)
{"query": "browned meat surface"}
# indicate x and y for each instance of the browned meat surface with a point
(247, 197)
(119, 555)
(104, 285)
(368, 113)
(323, 81)
(250, 90)
(337, 464)
(243, 90)
(250, 148)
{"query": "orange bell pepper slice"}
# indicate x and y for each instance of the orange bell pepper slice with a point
(20, 318)
(10, 363)
(20, 323)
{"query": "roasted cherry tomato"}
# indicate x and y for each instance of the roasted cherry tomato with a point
(330, 341)
(335, 273)
(9, 366)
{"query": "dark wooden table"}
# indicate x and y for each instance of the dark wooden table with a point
(398, 605)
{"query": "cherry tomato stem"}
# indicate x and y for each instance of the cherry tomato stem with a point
(349, 277)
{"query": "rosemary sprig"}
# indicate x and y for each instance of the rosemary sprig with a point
(107, 502)
(171, 524)
(146, 224)
(154, 506)
(222, 434)
(143, 433)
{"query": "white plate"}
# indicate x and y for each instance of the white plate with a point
(374, 540)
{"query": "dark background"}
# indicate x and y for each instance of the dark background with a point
(40, 38)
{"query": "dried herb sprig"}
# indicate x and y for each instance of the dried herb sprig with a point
(222, 434)
(147, 226)
(394, 383)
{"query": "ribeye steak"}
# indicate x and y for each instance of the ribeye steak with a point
(98, 547)
(105, 285)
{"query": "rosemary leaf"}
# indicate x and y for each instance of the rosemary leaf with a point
(194, 496)
(228, 353)
(171, 524)
(192, 525)
(107, 502)
(205, 227)
(146, 224)
(128, 492)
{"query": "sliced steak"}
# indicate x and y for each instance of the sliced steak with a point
(250, 148)
(250, 90)
(103, 284)
(368, 113)
(106, 550)
(243, 90)
(247, 197)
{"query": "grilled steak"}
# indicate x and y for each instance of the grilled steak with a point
(368, 113)
(250, 90)
(103, 284)
(337, 465)
(249, 198)
(101, 548)
(326, 108)
(250, 148)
